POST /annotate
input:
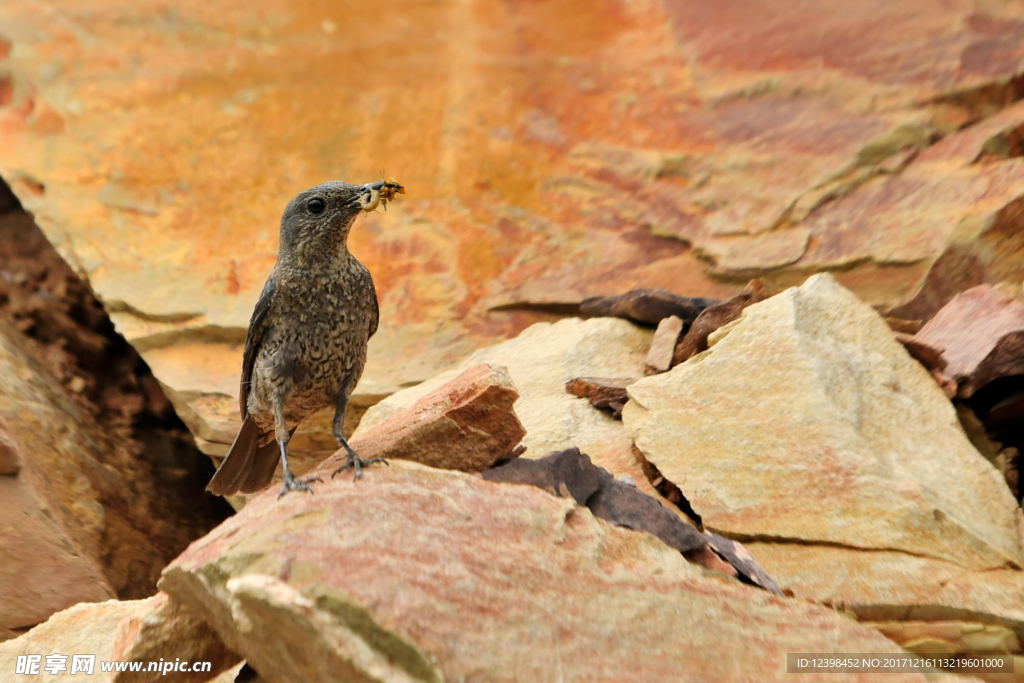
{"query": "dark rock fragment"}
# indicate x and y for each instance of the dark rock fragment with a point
(646, 306)
(713, 317)
(570, 473)
(606, 393)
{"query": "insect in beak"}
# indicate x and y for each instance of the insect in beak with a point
(379, 193)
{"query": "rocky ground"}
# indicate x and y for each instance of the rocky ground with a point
(701, 337)
(829, 445)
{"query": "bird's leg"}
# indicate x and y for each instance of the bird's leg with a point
(354, 461)
(282, 435)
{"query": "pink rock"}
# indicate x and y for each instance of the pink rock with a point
(428, 574)
(981, 333)
(466, 424)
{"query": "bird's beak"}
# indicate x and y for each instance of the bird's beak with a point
(372, 195)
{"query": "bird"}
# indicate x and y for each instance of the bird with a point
(305, 348)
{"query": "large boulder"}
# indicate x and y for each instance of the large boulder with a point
(837, 138)
(421, 574)
(810, 433)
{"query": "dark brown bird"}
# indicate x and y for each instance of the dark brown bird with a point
(306, 345)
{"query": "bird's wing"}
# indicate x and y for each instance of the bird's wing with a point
(254, 337)
(375, 313)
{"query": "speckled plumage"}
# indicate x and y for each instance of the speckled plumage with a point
(306, 344)
(324, 316)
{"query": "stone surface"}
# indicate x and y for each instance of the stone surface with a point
(307, 588)
(540, 361)
(130, 631)
(811, 148)
(85, 518)
(831, 433)
(467, 424)
(981, 334)
(659, 356)
(950, 637)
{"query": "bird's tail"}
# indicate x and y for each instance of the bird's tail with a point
(248, 467)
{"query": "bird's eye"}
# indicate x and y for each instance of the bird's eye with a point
(316, 205)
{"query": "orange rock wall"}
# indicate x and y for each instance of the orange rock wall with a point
(550, 151)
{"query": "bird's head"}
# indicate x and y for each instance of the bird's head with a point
(320, 218)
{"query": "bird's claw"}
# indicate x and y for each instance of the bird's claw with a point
(357, 464)
(293, 484)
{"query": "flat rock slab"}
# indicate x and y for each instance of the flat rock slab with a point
(393, 578)
(807, 422)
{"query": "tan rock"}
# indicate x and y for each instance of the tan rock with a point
(391, 579)
(43, 571)
(888, 585)
(540, 361)
(812, 147)
(465, 424)
(85, 628)
(151, 630)
(950, 637)
(808, 422)
(659, 356)
(166, 631)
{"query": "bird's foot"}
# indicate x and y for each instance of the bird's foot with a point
(293, 484)
(357, 464)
